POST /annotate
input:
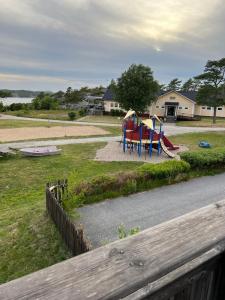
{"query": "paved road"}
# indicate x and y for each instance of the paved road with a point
(60, 142)
(150, 208)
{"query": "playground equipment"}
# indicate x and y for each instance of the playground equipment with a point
(142, 135)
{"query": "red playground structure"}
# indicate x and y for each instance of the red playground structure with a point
(141, 135)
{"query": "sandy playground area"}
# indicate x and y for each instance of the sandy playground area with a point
(113, 151)
(31, 133)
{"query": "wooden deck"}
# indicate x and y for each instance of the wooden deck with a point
(179, 259)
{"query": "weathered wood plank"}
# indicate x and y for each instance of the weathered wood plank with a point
(121, 268)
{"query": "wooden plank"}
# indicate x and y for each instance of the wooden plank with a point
(121, 268)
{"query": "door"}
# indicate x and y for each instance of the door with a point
(171, 111)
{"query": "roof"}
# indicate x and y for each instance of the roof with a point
(191, 95)
(110, 96)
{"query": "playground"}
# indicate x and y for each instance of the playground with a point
(142, 140)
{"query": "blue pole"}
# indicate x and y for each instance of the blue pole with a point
(151, 142)
(124, 138)
(160, 136)
(140, 133)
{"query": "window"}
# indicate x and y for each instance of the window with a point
(180, 107)
(220, 108)
(172, 98)
(157, 106)
(111, 104)
(162, 106)
(203, 107)
(186, 107)
(209, 108)
(116, 104)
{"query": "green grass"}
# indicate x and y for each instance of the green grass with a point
(22, 123)
(204, 122)
(59, 114)
(28, 239)
(102, 119)
(191, 140)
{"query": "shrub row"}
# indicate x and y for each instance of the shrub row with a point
(205, 158)
(124, 183)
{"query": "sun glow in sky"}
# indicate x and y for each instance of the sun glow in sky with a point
(49, 45)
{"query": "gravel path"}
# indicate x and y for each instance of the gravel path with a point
(59, 142)
(150, 208)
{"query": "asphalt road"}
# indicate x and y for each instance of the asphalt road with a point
(150, 208)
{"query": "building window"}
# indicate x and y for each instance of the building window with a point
(220, 108)
(180, 107)
(157, 106)
(172, 98)
(203, 107)
(162, 106)
(111, 104)
(116, 104)
(186, 107)
(208, 108)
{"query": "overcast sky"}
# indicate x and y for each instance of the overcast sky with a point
(53, 44)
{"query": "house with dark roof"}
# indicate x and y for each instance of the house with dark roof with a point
(170, 104)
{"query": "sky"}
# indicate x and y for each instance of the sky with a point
(52, 44)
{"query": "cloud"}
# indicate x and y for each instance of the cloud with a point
(92, 41)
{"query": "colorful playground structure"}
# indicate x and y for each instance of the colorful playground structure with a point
(142, 136)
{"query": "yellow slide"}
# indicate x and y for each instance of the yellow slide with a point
(165, 150)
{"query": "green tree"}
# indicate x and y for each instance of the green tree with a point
(1, 106)
(212, 89)
(136, 88)
(4, 94)
(73, 96)
(190, 85)
(174, 85)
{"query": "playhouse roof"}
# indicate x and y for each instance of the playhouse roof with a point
(129, 114)
(148, 123)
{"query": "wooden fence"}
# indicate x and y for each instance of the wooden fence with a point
(72, 235)
(182, 259)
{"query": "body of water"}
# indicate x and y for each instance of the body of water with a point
(10, 100)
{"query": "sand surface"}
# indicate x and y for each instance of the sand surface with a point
(30, 133)
(113, 151)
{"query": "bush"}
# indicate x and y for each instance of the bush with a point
(82, 112)
(168, 169)
(124, 183)
(1, 106)
(205, 158)
(72, 115)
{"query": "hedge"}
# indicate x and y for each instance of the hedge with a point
(124, 183)
(205, 158)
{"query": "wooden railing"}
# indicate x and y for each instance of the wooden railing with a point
(73, 235)
(180, 259)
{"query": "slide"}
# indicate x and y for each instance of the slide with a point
(165, 150)
(168, 144)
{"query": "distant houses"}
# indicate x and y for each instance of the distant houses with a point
(170, 105)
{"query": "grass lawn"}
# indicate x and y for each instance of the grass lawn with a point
(102, 119)
(191, 140)
(59, 114)
(204, 122)
(22, 123)
(28, 239)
